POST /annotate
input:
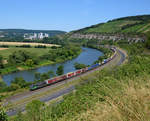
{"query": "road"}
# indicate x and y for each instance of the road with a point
(42, 94)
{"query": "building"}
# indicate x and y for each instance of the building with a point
(33, 36)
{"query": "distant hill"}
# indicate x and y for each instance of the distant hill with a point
(21, 32)
(131, 24)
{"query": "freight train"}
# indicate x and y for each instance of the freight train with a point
(70, 74)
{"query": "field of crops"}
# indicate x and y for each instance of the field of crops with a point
(25, 43)
(136, 24)
(3, 48)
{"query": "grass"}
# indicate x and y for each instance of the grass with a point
(135, 28)
(132, 104)
(35, 51)
(58, 88)
(116, 95)
(116, 26)
(109, 27)
(119, 94)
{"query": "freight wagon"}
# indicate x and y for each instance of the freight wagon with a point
(70, 74)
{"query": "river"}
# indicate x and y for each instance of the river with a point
(88, 57)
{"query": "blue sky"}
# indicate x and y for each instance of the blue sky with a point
(66, 15)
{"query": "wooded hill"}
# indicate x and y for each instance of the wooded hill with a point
(21, 32)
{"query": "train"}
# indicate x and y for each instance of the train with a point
(70, 74)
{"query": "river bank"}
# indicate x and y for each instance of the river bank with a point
(14, 69)
(88, 56)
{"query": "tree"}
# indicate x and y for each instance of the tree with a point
(29, 62)
(148, 40)
(20, 56)
(13, 87)
(2, 86)
(60, 70)
(19, 81)
(51, 73)
(79, 66)
(44, 76)
(37, 75)
(3, 115)
(1, 62)
(34, 110)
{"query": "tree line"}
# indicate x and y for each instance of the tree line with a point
(47, 40)
(28, 59)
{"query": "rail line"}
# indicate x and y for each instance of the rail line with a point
(121, 56)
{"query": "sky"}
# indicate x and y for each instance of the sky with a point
(66, 15)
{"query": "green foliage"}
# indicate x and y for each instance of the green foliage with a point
(131, 24)
(40, 46)
(3, 116)
(16, 35)
(2, 86)
(101, 86)
(25, 59)
(60, 70)
(44, 76)
(19, 57)
(4, 46)
(1, 62)
(19, 81)
(37, 75)
(79, 66)
(51, 73)
(148, 40)
(12, 87)
(29, 62)
(24, 46)
(19, 116)
(34, 110)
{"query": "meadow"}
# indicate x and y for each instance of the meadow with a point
(5, 52)
(17, 58)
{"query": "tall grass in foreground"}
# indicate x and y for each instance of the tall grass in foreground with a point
(132, 104)
(121, 94)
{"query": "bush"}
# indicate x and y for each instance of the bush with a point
(3, 116)
(148, 40)
(12, 87)
(40, 46)
(20, 82)
(34, 110)
(24, 46)
(60, 70)
(79, 66)
(4, 46)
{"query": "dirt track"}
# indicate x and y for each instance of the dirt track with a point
(4, 48)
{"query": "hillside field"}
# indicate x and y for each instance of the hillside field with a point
(133, 24)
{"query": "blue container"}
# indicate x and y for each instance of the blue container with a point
(93, 66)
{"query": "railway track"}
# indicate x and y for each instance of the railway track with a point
(43, 95)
